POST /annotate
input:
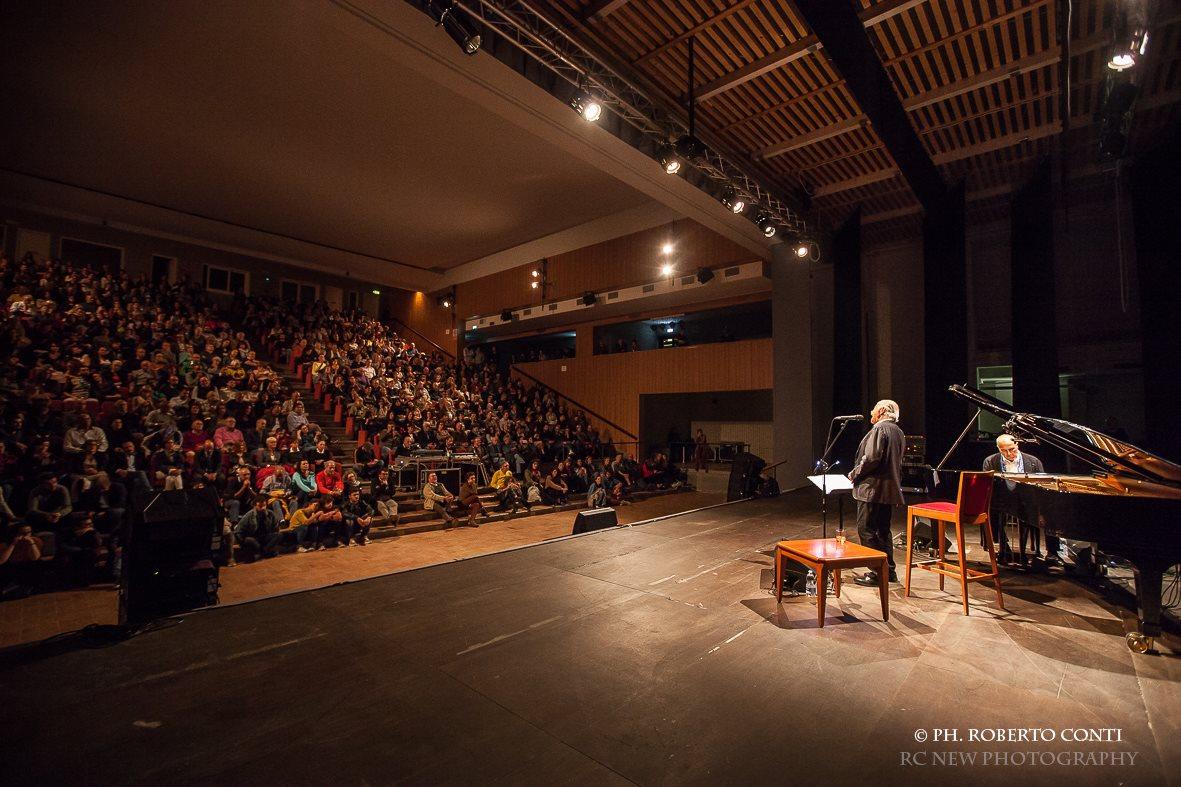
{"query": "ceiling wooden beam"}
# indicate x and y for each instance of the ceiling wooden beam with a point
(777, 59)
(785, 104)
(602, 9)
(983, 79)
(879, 13)
(1002, 142)
(855, 183)
(697, 28)
(819, 135)
(968, 31)
(848, 47)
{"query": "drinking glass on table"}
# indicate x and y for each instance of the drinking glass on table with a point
(840, 536)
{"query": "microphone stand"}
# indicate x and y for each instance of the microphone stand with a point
(823, 466)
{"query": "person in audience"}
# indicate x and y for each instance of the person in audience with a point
(357, 517)
(80, 550)
(21, 564)
(257, 531)
(367, 462)
(49, 503)
(206, 465)
(555, 490)
(85, 431)
(436, 498)
(168, 466)
(238, 494)
(303, 483)
(596, 493)
(228, 432)
(329, 482)
(384, 490)
(469, 498)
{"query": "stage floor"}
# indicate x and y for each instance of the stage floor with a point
(652, 654)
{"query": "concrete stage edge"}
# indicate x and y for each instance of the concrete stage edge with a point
(649, 654)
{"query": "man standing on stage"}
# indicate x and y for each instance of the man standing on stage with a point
(877, 483)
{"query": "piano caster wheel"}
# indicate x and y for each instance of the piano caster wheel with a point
(1138, 643)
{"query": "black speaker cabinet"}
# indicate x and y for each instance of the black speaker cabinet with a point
(744, 476)
(594, 519)
(169, 544)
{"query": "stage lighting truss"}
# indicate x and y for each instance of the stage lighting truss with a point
(524, 27)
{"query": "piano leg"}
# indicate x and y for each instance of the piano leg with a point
(1149, 574)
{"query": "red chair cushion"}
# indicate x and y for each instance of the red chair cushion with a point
(947, 508)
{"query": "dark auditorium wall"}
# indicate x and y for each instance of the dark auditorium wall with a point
(265, 275)
(622, 262)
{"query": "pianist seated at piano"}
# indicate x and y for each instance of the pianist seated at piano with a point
(1008, 499)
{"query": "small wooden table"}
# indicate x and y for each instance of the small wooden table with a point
(823, 556)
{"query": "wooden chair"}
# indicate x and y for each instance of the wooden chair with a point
(969, 510)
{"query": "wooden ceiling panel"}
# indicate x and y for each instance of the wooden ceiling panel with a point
(979, 79)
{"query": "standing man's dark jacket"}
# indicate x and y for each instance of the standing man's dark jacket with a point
(877, 467)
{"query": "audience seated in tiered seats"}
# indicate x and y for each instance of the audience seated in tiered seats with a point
(115, 386)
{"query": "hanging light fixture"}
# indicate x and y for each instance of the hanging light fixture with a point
(666, 154)
(448, 16)
(586, 105)
(766, 224)
(733, 201)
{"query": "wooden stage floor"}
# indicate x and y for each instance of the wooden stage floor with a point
(652, 654)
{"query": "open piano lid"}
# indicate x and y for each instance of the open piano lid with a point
(1103, 452)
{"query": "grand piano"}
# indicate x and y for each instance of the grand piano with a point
(1130, 504)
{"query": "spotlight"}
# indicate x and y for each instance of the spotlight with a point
(801, 247)
(534, 284)
(588, 299)
(733, 201)
(586, 105)
(704, 275)
(690, 147)
(1129, 48)
(666, 249)
(669, 328)
(666, 269)
(446, 300)
(669, 159)
(535, 273)
(376, 292)
(506, 315)
(766, 224)
(450, 18)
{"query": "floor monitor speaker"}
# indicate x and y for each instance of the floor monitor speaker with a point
(744, 476)
(594, 519)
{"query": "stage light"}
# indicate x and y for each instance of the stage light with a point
(588, 299)
(506, 315)
(1128, 51)
(448, 16)
(535, 273)
(534, 284)
(586, 105)
(666, 269)
(669, 328)
(376, 292)
(766, 225)
(666, 249)
(669, 159)
(690, 148)
(704, 275)
(733, 201)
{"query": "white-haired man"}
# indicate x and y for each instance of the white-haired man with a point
(1009, 458)
(877, 483)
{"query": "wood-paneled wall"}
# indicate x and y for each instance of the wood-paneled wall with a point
(422, 313)
(611, 385)
(622, 262)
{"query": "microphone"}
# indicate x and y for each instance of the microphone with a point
(849, 418)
